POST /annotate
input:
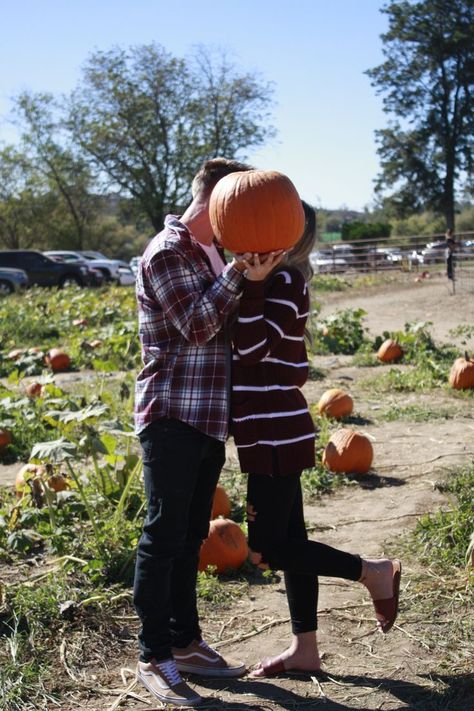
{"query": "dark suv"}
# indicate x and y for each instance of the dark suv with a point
(44, 271)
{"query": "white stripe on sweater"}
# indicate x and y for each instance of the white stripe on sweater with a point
(262, 388)
(271, 415)
(245, 351)
(250, 319)
(276, 442)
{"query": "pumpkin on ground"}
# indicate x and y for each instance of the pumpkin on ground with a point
(256, 211)
(335, 403)
(221, 503)
(34, 389)
(5, 438)
(461, 376)
(389, 351)
(348, 451)
(225, 547)
(58, 360)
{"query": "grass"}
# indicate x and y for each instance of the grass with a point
(417, 413)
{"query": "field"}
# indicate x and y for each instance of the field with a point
(66, 563)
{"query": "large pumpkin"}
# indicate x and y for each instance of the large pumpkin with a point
(58, 360)
(221, 503)
(389, 351)
(348, 451)
(225, 547)
(335, 403)
(462, 373)
(256, 211)
(5, 438)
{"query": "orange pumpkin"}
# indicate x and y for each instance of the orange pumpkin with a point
(256, 211)
(80, 322)
(5, 438)
(389, 351)
(348, 451)
(34, 390)
(221, 503)
(462, 373)
(225, 547)
(335, 403)
(58, 360)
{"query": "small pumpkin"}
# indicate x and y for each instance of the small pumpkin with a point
(225, 547)
(58, 360)
(34, 389)
(348, 451)
(389, 351)
(16, 353)
(335, 403)
(80, 322)
(221, 503)
(461, 376)
(256, 211)
(5, 438)
(96, 343)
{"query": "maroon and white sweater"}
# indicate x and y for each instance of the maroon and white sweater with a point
(272, 427)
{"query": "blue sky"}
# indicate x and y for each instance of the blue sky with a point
(313, 51)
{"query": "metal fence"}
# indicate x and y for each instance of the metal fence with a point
(421, 253)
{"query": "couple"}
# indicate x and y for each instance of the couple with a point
(187, 298)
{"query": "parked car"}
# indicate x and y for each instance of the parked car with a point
(12, 280)
(434, 252)
(133, 263)
(108, 267)
(325, 262)
(42, 270)
(126, 276)
(95, 276)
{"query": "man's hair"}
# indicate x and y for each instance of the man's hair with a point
(212, 171)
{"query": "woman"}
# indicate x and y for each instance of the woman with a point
(274, 435)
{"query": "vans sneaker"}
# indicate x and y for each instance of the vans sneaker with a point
(199, 658)
(164, 681)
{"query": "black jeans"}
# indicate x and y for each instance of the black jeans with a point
(181, 467)
(277, 530)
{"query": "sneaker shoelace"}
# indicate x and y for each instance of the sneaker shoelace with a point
(204, 645)
(170, 672)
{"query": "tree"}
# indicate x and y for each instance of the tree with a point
(147, 120)
(65, 172)
(25, 203)
(427, 82)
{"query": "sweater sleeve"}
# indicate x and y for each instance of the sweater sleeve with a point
(269, 313)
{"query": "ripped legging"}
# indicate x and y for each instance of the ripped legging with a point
(277, 531)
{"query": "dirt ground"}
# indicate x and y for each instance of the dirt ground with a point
(365, 670)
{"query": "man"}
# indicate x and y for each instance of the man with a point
(185, 294)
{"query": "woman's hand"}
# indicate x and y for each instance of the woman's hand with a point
(260, 265)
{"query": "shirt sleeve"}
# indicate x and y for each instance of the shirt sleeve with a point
(267, 316)
(196, 308)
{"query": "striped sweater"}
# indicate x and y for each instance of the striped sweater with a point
(271, 424)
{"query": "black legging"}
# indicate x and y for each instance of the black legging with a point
(277, 530)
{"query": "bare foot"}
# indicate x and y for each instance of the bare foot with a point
(382, 580)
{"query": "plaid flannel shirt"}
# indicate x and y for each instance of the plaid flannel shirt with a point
(182, 311)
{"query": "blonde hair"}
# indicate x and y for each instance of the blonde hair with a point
(211, 172)
(298, 256)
